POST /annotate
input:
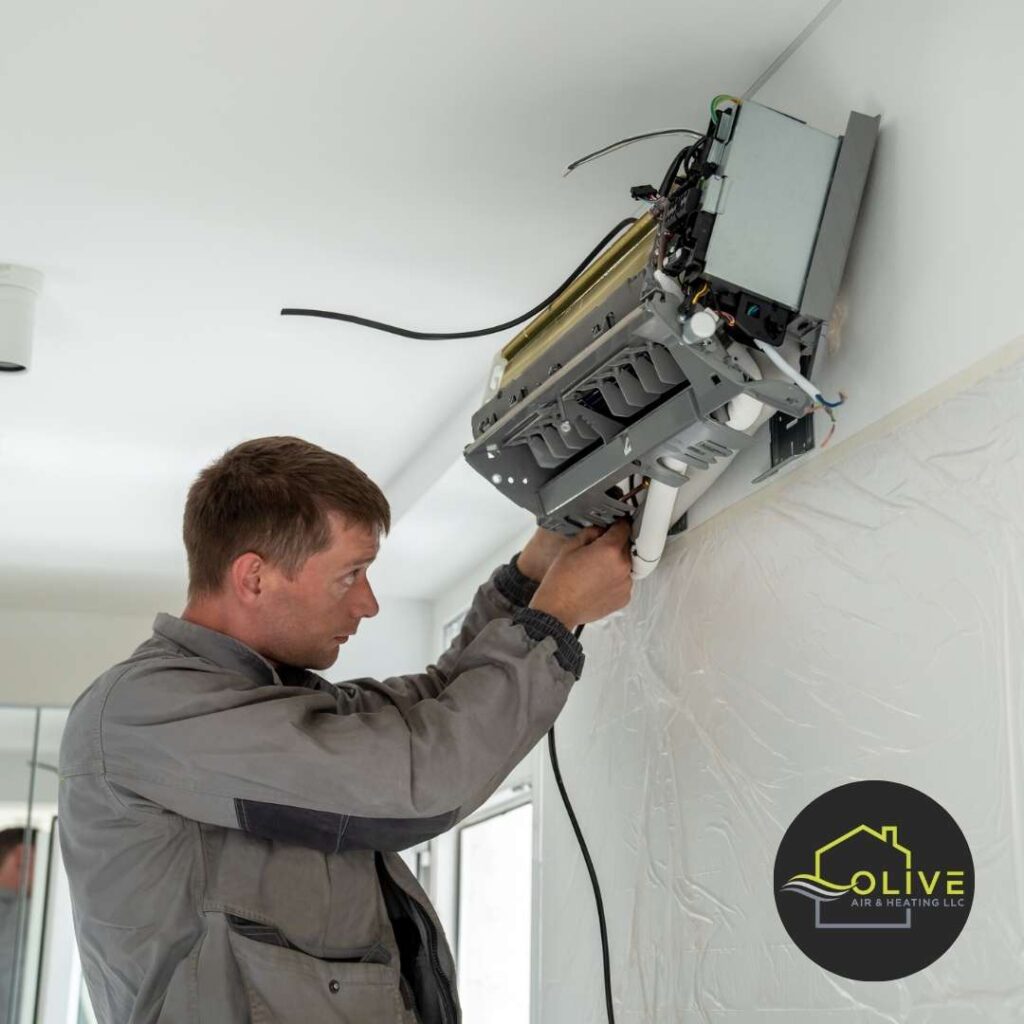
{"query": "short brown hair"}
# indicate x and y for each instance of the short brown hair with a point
(12, 838)
(272, 495)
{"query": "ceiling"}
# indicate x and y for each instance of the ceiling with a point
(179, 172)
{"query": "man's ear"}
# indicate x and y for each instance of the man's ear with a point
(246, 576)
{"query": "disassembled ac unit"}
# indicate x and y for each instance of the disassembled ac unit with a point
(631, 392)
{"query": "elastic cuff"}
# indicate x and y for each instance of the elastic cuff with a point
(513, 585)
(568, 653)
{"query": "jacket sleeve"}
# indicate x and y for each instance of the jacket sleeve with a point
(285, 763)
(503, 595)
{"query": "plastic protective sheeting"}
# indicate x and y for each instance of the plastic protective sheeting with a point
(862, 621)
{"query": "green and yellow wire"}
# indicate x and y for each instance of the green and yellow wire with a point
(718, 99)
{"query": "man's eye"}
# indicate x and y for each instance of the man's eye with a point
(350, 578)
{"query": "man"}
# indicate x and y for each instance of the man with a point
(229, 819)
(17, 859)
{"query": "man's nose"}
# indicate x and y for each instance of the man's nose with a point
(366, 604)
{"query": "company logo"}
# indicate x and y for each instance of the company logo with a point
(874, 881)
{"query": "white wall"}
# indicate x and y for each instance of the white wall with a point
(935, 266)
(396, 641)
(52, 654)
(859, 619)
(457, 597)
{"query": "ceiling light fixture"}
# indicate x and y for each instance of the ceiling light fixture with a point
(19, 287)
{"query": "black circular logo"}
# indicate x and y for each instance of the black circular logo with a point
(874, 881)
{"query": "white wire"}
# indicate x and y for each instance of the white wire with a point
(622, 143)
(793, 374)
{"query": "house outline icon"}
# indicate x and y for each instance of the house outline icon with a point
(886, 835)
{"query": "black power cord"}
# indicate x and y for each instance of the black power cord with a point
(443, 335)
(590, 868)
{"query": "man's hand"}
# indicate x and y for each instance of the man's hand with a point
(589, 578)
(541, 550)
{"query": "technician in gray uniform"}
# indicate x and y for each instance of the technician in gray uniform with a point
(229, 819)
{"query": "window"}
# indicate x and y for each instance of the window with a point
(495, 897)
(417, 859)
(451, 628)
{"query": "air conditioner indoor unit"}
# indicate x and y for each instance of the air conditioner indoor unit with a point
(631, 392)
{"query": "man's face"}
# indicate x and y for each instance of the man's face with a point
(12, 866)
(305, 620)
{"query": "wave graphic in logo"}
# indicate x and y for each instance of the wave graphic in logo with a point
(814, 887)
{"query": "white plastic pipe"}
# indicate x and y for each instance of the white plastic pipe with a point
(654, 524)
(665, 504)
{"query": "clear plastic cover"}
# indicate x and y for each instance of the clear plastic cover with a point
(863, 620)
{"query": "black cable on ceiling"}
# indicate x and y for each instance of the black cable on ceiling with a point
(377, 325)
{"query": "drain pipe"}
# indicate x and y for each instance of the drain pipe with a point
(665, 504)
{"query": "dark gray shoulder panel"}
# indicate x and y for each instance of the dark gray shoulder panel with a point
(336, 833)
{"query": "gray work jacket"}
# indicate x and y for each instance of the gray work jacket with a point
(229, 827)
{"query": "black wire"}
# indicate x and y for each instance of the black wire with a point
(432, 336)
(553, 753)
(687, 153)
(673, 170)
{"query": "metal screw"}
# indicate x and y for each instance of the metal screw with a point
(496, 479)
(333, 985)
(565, 426)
